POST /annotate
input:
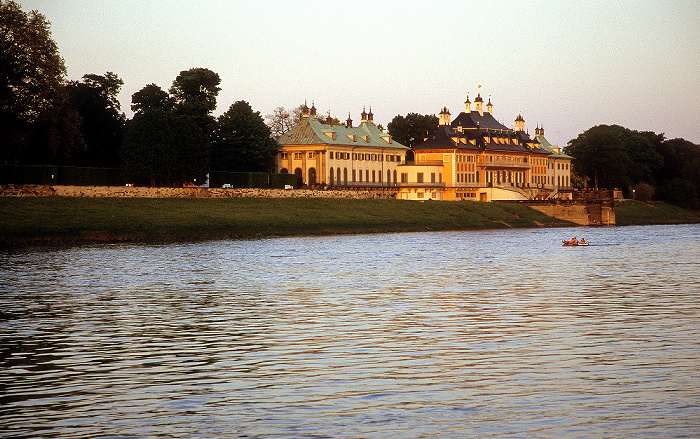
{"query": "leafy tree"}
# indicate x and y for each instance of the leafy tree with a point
(95, 98)
(161, 145)
(194, 92)
(37, 124)
(643, 192)
(646, 161)
(147, 152)
(151, 97)
(599, 153)
(242, 141)
(412, 129)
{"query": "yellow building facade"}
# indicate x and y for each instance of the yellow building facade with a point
(340, 155)
(481, 159)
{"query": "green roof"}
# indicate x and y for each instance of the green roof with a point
(544, 144)
(311, 131)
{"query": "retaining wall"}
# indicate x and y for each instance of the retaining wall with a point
(187, 192)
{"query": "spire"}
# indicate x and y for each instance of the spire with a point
(489, 106)
(468, 104)
(370, 116)
(349, 121)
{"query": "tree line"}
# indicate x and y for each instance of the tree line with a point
(172, 138)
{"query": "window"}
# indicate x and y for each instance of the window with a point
(285, 156)
(432, 177)
(420, 195)
(419, 177)
(297, 156)
(353, 176)
(404, 177)
(312, 155)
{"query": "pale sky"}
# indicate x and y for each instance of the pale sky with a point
(564, 65)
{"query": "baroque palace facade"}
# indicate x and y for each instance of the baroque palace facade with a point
(340, 155)
(473, 157)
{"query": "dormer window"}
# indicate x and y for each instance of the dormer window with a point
(330, 134)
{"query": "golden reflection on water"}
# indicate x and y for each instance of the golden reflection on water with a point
(451, 334)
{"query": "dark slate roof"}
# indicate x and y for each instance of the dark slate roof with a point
(442, 139)
(476, 120)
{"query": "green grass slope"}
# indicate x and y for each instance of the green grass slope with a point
(58, 220)
(631, 212)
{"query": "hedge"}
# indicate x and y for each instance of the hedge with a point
(83, 176)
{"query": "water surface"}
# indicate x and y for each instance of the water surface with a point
(446, 334)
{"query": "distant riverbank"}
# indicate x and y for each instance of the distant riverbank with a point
(54, 220)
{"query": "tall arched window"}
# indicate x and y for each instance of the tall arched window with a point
(312, 176)
(330, 177)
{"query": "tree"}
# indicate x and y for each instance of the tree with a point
(280, 121)
(194, 93)
(37, 124)
(151, 97)
(161, 145)
(242, 142)
(599, 153)
(103, 123)
(147, 152)
(643, 192)
(412, 129)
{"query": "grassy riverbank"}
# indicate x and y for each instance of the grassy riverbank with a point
(74, 220)
(69, 220)
(628, 213)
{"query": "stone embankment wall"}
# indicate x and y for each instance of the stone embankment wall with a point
(579, 213)
(194, 192)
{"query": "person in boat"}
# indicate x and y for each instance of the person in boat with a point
(582, 241)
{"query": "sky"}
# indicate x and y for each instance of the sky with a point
(565, 66)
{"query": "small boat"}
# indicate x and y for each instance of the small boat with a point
(573, 242)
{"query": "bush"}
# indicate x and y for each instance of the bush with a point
(643, 192)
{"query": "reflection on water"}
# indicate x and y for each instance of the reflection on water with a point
(452, 334)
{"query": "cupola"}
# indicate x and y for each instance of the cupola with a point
(519, 123)
(363, 116)
(349, 121)
(444, 116)
(312, 111)
(479, 103)
(489, 107)
(468, 105)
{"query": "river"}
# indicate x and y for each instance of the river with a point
(440, 334)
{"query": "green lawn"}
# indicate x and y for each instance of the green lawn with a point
(28, 220)
(637, 213)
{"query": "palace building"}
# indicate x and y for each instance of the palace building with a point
(340, 155)
(475, 157)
